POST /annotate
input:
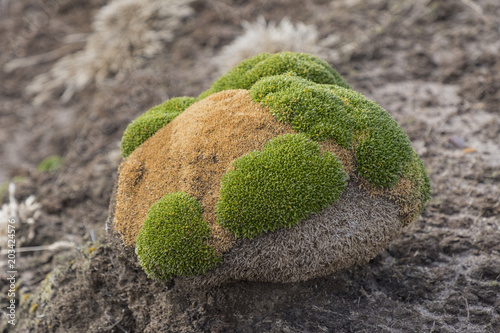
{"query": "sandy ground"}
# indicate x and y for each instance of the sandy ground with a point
(433, 65)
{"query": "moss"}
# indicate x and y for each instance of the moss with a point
(50, 164)
(279, 186)
(290, 178)
(308, 107)
(415, 171)
(173, 239)
(323, 111)
(151, 121)
(381, 148)
(249, 71)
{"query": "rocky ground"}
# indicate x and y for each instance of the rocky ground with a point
(433, 64)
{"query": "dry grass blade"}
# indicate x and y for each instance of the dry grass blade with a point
(40, 58)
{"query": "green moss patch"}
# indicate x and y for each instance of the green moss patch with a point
(323, 111)
(173, 239)
(279, 186)
(382, 148)
(415, 171)
(151, 121)
(50, 164)
(308, 107)
(249, 71)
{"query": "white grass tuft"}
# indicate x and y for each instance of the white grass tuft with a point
(262, 36)
(26, 212)
(25, 216)
(125, 33)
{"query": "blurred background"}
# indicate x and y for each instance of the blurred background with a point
(74, 73)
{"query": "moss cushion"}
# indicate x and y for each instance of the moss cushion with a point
(279, 172)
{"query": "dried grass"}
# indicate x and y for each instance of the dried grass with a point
(125, 33)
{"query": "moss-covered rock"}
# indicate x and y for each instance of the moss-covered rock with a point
(173, 240)
(279, 172)
(151, 121)
(279, 186)
(243, 76)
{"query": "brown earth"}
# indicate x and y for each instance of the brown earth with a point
(432, 64)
